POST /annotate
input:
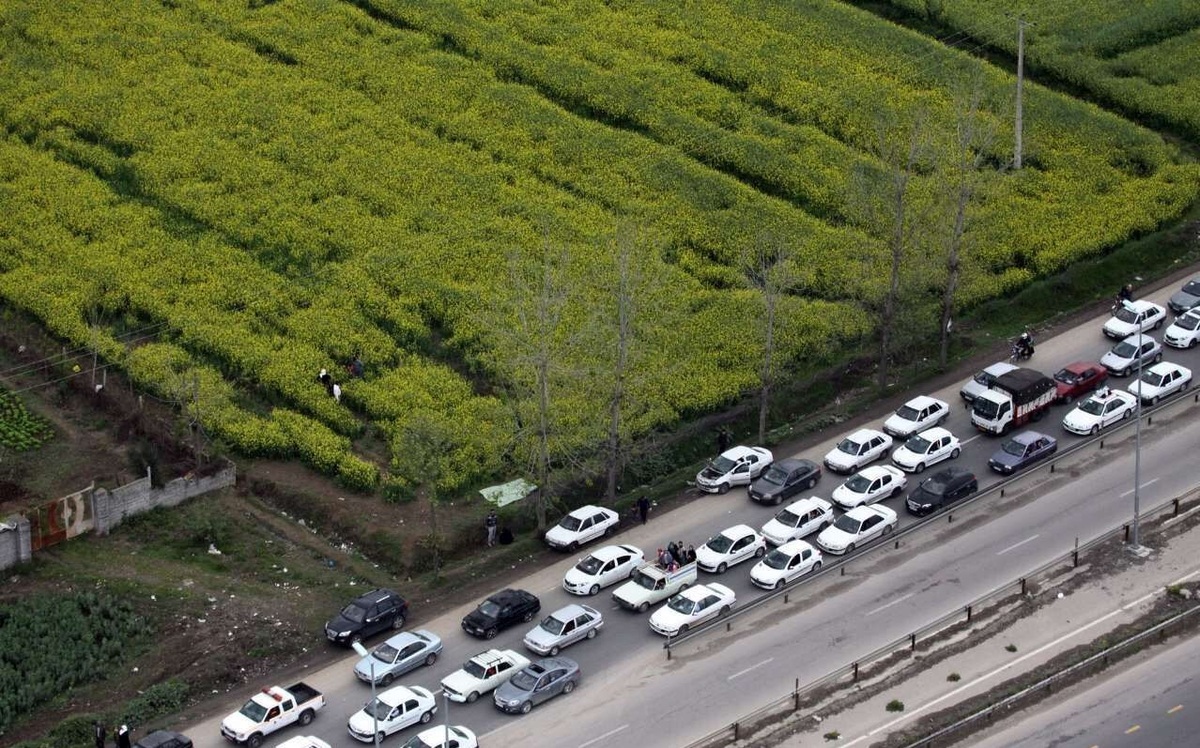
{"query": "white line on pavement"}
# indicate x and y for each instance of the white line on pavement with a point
(1014, 546)
(1147, 483)
(743, 672)
(605, 736)
(965, 442)
(894, 602)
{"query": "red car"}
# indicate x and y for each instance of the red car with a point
(1078, 379)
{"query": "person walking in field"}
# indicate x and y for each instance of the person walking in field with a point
(490, 523)
(336, 392)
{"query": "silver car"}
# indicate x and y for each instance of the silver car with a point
(562, 627)
(536, 683)
(401, 653)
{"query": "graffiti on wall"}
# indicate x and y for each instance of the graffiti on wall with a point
(60, 519)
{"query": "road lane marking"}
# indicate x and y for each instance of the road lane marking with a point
(605, 736)
(965, 442)
(888, 605)
(1015, 546)
(1147, 483)
(1175, 708)
(743, 672)
(1133, 729)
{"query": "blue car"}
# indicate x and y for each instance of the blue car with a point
(403, 652)
(1021, 451)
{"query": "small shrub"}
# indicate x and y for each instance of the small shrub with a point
(953, 677)
(1011, 647)
(156, 701)
(895, 705)
(833, 735)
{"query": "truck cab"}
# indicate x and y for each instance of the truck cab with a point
(269, 710)
(651, 583)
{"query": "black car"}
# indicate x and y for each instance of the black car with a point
(164, 739)
(940, 489)
(500, 611)
(1021, 451)
(369, 614)
(784, 479)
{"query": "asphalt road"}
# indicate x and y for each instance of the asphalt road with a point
(624, 698)
(1152, 704)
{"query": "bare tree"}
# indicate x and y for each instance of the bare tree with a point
(769, 269)
(430, 448)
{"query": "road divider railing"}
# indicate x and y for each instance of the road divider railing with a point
(807, 695)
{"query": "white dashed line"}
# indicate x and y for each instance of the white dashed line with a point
(1014, 546)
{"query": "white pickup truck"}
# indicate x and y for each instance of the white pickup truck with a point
(652, 583)
(269, 710)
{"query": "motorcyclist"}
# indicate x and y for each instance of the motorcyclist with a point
(1024, 345)
(1125, 294)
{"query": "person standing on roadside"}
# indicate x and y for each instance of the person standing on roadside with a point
(101, 734)
(123, 737)
(491, 522)
(724, 440)
(643, 508)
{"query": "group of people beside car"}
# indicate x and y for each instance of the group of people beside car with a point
(675, 555)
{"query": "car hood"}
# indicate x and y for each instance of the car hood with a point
(363, 667)
(764, 573)
(846, 496)
(575, 576)
(1120, 326)
(238, 723)
(921, 496)
(479, 620)
(460, 681)
(773, 529)
(711, 473)
(837, 457)
(1112, 359)
(669, 619)
(363, 723)
(763, 487)
(704, 554)
(560, 534)
(508, 692)
(1000, 457)
(542, 637)
(900, 424)
(1184, 299)
(835, 538)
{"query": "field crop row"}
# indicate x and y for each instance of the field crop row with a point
(20, 430)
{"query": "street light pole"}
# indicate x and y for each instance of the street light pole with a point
(361, 651)
(1137, 451)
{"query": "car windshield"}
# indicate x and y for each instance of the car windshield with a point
(417, 742)
(525, 680)
(474, 669)
(846, 523)
(722, 464)
(984, 407)
(1014, 447)
(1125, 314)
(917, 444)
(589, 565)
(553, 625)
(1153, 378)
(1188, 321)
(720, 543)
(858, 484)
(489, 608)
(777, 559)
(377, 709)
(1092, 406)
(354, 613)
(385, 653)
(933, 486)
(254, 711)
(681, 604)
(643, 580)
(1192, 288)
(788, 518)
(849, 446)
(1124, 350)
(570, 523)
(1066, 377)
(776, 475)
(908, 413)
(983, 378)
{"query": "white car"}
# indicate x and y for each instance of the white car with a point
(482, 673)
(564, 627)
(1104, 408)
(1184, 332)
(738, 466)
(926, 448)
(982, 381)
(581, 526)
(860, 448)
(731, 546)
(392, 711)
(304, 741)
(693, 606)
(798, 519)
(441, 736)
(916, 415)
(1133, 316)
(605, 566)
(861, 524)
(1161, 380)
(869, 485)
(784, 564)
(1124, 356)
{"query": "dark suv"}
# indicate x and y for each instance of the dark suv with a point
(164, 739)
(940, 489)
(369, 614)
(500, 611)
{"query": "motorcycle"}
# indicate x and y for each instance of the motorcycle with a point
(1021, 352)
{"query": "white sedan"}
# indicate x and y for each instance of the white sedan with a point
(784, 564)
(731, 546)
(1161, 380)
(798, 519)
(482, 673)
(1184, 332)
(738, 466)
(916, 415)
(605, 566)
(860, 448)
(1104, 408)
(926, 448)
(392, 711)
(1134, 316)
(869, 485)
(441, 736)
(692, 606)
(860, 525)
(581, 526)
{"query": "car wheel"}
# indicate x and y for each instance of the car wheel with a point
(1068, 399)
(431, 658)
(723, 489)
(379, 738)
(1192, 342)
(779, 584)
(683, 629)
(386, 680)
(724, 611)
(1158, 324)
(850, 548)
(778, 500)
(398, 623)
(490, 633)
(816, 566)
(721, 567)
(526, 707)
(1129, 413)
(760, 552)
(684, 586)
(595, 590)
(306, 717)
(355, 638)
(1153, 401)
(887, 529)
(643, 607)
(895, 492)
(574, 546)
(554, 651)
(608, 531)
(955, 453)
(920, 468)
(428, 715)
(472, 697)
(528, 616)
(254, 741)
(568, 687)
(591, 634)
(1095, 429)
(1158, 357)
(811, 482)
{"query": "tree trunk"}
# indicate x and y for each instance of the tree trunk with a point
(768, 371)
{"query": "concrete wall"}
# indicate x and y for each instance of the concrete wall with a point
(14, 541)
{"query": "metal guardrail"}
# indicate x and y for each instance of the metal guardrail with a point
(958, 615)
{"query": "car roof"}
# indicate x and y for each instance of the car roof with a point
(1141, 305)
(159, 737)
(1133, 339)
(1104, 394)
(549, 663)
(937, 432)
(1000, 367)
(923, 401)
(792, 547)
(863, 511)
(509, 595)
(873, 471)
(793, 463)
(1079, 367)
(587, 510)
(398, 695)
(864, 434)
(1162, 367)
(808, 504)
(567, 612)
(948, 473)
(406, 637)
(738, 531)
(609, 552)
(738, 452)
(375, 596)
(1028, 437)
(493, 655)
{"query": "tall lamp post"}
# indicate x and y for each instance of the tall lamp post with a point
(1137, 452)
(362, 651)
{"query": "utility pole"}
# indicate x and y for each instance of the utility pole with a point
(1020, 90)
